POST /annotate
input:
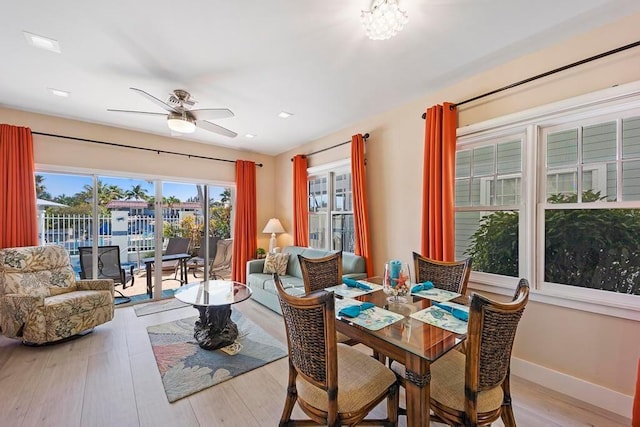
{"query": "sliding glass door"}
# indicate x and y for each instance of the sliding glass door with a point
(143, 218)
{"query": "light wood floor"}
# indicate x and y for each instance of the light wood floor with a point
(110, 378)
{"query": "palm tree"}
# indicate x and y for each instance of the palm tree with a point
(41, 190)
(137, 192)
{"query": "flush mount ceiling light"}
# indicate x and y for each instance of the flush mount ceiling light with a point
(384, 19)
(284, 114)
(181, 123)
(42, 42)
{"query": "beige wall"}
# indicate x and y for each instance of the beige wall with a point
(598, 349)
(123, 161)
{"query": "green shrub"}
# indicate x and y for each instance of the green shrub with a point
(591, 248)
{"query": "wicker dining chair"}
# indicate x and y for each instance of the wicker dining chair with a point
(333, 384)
(472, 388)
(451, 276)
(320, 273)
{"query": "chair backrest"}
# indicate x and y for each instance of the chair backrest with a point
(177, 245)
(320, 273)
(35, 270)
(213, 246)
(492, 330)
(224, 254)
(451, 276)
(310, 323)
(109, 266)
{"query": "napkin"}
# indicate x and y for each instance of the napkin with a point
(425, 286)
(355, 284)
(456, 312)
(355, 310)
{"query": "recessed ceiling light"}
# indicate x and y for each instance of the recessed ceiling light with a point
(42, 42)
(284, 114)
(249, 135)
(58, 92)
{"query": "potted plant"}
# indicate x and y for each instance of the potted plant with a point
(260, 253)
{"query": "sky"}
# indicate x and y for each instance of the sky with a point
(58, 184)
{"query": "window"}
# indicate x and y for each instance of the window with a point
(553, 195)
(488, 197)
(591, 237)
(331, 208)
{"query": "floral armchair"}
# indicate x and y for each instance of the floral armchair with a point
(40, 299)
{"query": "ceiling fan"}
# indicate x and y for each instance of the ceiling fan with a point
(181, 118)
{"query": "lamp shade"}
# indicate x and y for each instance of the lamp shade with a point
(273, 226)
(181, 123)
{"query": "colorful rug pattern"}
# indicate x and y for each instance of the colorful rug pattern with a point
(185, 368)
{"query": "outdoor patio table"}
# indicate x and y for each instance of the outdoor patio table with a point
(181, 258)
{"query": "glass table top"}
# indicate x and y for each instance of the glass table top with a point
(213, 292)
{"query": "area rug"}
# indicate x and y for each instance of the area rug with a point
(157, 307)
(185, 368)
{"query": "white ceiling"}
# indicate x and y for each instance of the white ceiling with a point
(257, 58)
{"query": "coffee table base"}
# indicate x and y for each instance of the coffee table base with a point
(215, 329)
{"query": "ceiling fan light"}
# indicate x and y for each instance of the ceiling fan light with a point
(181, 123)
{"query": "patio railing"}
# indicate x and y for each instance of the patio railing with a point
(72, 231)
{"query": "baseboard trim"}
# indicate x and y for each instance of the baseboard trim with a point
(577, 388)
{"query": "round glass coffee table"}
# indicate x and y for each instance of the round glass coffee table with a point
(213, 299)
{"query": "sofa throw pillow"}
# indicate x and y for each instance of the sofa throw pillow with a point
(276, 263)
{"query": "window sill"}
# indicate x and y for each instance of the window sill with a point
(567, 298)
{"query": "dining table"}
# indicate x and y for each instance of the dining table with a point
(410, 341)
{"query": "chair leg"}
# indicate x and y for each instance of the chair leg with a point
(288, 406)
(506, 412)
(127, 299)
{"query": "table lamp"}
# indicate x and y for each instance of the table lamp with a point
(273, 227)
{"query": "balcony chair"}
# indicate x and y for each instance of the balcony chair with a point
(333, 384)
(109, 267)
(451, 276)
(220, 267)
(320, 273)
(40, 299)
(472, 388)
(197, 263)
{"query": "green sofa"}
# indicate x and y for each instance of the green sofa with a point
(264, 291)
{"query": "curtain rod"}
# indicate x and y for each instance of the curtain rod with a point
(545, 74)
(113, 144)
(365, 136)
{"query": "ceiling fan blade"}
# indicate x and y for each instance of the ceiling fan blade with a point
(211, 113)
(215, 128)
(139, 112)
(156, 101)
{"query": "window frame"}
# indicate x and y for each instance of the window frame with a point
(597, 107)
(329, 170)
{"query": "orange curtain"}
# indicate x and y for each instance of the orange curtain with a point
(18, 216)
(438, 231)
(300, 201)
(635, 416)
(360, 202)
(245, 232)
